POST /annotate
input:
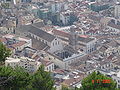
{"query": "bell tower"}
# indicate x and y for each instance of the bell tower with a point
(73, 37)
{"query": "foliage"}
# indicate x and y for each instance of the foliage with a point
(5, 5)
(4, 52)
(73, 18)
(92, 0)
(65, 88)
(42, 80)
(19, 79)
(87, 82)
(98, 8)
(14, 78)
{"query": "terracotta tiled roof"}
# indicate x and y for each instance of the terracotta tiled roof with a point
(3, 40)
(72, 81)
(47, 63)
(19, 44)
(60, 33)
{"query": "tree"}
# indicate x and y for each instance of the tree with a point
(5, 5)
(19, 79)
(65, 87)
(13, 78)
(41, 80)
(73, 18)
(94, 81)
(4, 52)
(92, 0)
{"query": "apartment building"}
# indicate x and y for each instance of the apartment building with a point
(28, 64)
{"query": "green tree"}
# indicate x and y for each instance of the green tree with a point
(5, 77)
(92, 0)
(41, 80)
(73, 18)
(13, 79)
(19, 79)
(5, 5)
(65, 87)
(4, 52)
(87, 83)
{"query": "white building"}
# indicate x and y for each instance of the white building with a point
(53, 42)
(49, 66)
(81, 43)
(28, 64)
(86, 45)
(22, 39)
(113, 27)
(63, 63)
(16, 42)
(65, 17)
(117, 79)
(117, 10)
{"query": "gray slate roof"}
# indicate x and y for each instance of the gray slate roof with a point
(114, 25)
(85, 40)
(36, 31)
(37, 44)
(40, 33)
(39, 24)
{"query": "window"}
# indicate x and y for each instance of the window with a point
(49, 68)
(8, 64)
(53, 44)
(119, 81)
(52, 67)
(118, 86)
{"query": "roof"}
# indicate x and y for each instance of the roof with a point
(95, 18)
(24, 28)
(86, 68)
(59, 71)
(13, 60)
(114, 25)
(61, 33)
(72, 81)
(69, 49)
(117, 62)
(19, 44)
(37, 44)
(103, 48)
(39, 24)
(47, 63)
(114, 44)
(104, 62)
(3, 40)
(85, 40)
(40, 33)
